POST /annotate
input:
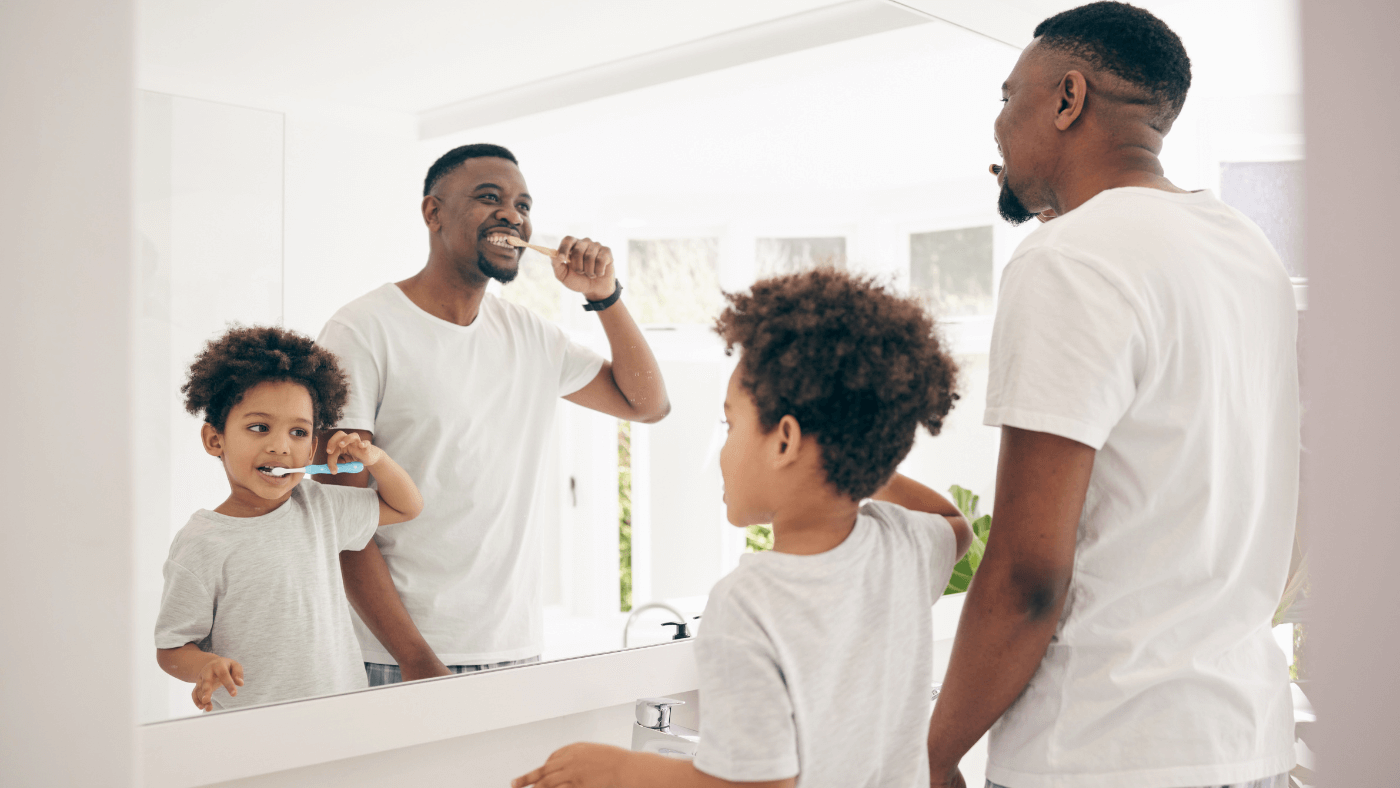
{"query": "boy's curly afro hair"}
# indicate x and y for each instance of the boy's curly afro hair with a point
(858, 367)
(245, 356)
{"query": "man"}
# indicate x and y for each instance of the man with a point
(1144, 376)
(462, 387)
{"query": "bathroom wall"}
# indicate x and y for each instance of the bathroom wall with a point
(66, 122)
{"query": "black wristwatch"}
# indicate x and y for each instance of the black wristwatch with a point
(598, 306)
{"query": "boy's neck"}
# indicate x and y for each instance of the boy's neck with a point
(244, 503)
(814, 524)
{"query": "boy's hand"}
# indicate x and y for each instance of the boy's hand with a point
(347, 447)
(217, 672)
(577, 766)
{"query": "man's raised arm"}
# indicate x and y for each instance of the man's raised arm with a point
(630, 386)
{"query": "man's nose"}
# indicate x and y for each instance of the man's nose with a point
(510, 215)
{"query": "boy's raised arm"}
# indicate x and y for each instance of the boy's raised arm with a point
(908, 493)
(399, 499)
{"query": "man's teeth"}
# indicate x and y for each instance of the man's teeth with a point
(498, 240)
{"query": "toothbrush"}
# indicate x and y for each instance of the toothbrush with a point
(344, 467)
(511, 240)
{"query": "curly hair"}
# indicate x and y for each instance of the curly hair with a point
(1129, 43)
(245, 356)
(858, 367)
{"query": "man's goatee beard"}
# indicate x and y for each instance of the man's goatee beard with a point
(502, 275)
(1010, 207)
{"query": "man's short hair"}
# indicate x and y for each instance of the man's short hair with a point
(859, 367)
(1129, 43)
(452, 159)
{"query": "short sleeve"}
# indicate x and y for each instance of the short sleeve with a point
(361, 368)
(186, 609)
(1067, 347)
(747, 732)
(354, 514)
(580, 367)
(932, 534)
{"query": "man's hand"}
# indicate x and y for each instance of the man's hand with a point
(346, 446)
(217, 672)
(586, 267)
(577, 766)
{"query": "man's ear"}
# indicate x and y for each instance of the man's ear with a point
(788, 440)
(1069, 97)
(431, 206)
(212, 440)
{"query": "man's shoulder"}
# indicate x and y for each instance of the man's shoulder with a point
(371, 306)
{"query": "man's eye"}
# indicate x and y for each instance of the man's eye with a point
(523, 207)
(257, 427)
(491, 197)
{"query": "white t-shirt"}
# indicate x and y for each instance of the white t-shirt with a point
(820, 665)
(466, 410)
(266, 591)
(1159, 329)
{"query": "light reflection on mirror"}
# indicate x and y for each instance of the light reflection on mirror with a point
(869, 154)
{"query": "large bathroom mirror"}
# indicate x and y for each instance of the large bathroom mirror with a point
(281, 158)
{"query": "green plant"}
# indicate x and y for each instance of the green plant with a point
(624, 512)
(759, 538)
(963, 570)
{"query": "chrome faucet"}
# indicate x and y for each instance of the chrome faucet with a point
(655, 733)
(682, 628)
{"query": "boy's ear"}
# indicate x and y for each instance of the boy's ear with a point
(212, 440)
(788, 439)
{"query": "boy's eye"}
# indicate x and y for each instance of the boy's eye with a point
(301, 433)
(257, 427)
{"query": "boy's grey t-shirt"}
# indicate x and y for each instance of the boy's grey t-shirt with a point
(266, 591)
(820, 665)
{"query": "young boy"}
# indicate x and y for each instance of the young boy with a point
(815, 659)
(266, 560)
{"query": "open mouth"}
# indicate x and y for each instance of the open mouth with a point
(503, 240)
(266, 471)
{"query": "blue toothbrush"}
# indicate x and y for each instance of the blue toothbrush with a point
(344, 467)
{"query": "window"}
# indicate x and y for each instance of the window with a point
(675, 280)
(777, 256)
(952, 270)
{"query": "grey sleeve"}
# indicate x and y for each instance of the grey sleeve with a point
(362, 370)
(186, 609)
(747, 733)
(354, 515)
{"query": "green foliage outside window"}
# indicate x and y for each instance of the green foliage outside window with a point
(759, 538)
(624, 512)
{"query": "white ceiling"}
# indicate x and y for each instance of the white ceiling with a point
(408, 55)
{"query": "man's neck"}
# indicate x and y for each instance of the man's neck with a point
(1084, 176)
(443, 293)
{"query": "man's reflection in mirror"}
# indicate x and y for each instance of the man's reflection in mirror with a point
(461, 387)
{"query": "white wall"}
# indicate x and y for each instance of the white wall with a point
(66, 95)
(1351, 376)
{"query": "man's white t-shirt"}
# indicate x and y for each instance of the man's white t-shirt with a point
(820, 665)
(466, 410)
(1159, 329)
